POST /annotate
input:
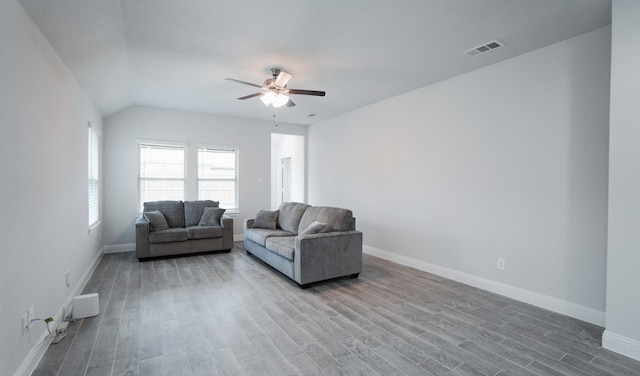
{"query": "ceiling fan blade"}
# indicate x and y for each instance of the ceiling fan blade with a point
(307, 92)
(282, 79)
(290, 103)
(250, 96)
(243, 82)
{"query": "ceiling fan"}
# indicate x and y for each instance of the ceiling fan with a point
(277, 93)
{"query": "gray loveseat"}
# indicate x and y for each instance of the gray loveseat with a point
(176, 227)
(306, 243)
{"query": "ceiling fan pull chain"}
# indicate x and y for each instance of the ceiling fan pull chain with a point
(275, 115)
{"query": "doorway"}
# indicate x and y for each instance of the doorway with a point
(287, 169)
(285, 177)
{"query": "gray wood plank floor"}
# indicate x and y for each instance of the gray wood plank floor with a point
(230, 314)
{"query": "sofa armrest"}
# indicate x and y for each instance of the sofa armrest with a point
(329, 255)
(247, 224)
(142, 237)
(226, 222)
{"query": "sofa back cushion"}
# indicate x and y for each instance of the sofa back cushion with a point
(193, 210)
(289, 216)
(337, 219)
(173, 211)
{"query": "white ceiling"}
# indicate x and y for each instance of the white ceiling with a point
(176, 54)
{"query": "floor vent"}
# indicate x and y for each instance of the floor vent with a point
(484, 48)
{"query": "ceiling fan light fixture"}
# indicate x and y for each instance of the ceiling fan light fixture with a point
(276, 100)
(280, 100)
(268, 98)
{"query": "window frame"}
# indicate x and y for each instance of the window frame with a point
(168, 145)
(236, 179)
(93, 177)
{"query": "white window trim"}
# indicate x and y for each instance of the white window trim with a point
(152, 142)
(235, 148)
(92, 131)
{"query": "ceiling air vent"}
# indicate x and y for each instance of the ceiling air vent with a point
(484, 48)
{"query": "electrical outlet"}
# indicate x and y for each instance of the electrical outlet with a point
(31, 315)
(25, 323)
(500, 265)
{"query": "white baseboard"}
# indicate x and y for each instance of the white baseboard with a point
(621, 344)
(118, 248)
(32, 359)
(564, 307)
(238, 237)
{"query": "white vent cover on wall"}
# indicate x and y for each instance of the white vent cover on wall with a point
(484, 48)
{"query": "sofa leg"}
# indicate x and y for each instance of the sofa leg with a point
(305, 286)
(355, 275)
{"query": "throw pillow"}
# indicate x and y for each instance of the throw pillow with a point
(315, 228)
(266, 219)
(211, 216)
(156, 220)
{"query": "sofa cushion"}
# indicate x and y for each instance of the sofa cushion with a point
(283, 246)
(156, 219)
(290, 215)
(260, 235)
(315, 228)
(173, 211)
(211, 216)
(176, 234)
(193, 210)
(266, 219)
(204, 232)
(337, 219)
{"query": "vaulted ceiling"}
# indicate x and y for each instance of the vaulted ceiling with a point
(176, 54)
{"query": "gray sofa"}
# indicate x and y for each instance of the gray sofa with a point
(176, 227)
(306, 243)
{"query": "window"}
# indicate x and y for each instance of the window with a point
(93, 158)
(161, 172)
(218, 176)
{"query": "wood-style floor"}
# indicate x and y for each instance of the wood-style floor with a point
(230, 314)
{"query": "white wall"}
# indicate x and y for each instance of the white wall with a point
(506, 161)
(43, 164)
(288, 146)
(122, 131)
(623, 306)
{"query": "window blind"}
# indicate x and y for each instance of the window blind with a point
(218, 176)
(161, 173)
(93, 157)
